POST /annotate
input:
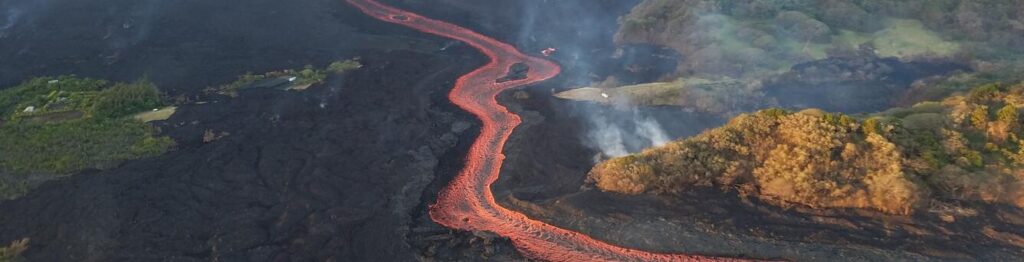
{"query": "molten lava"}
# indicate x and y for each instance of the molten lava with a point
(467, 203)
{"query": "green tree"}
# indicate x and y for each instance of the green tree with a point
(870, 126)
(984, 93)
(345, 66)
(774, 112)
(126, 99)
(979, 117)
(1007, 115)
(974, 159)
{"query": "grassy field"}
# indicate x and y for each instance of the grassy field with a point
(702, 95)
(157, 115)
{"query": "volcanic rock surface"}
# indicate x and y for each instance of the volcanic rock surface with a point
(332, 173)
(342, 171)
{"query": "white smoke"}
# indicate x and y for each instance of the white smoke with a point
(651, 129)
(617, 136)
(606, 136)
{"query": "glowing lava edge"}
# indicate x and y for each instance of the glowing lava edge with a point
(467, 203)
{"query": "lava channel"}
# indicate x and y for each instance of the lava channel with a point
(468, 203)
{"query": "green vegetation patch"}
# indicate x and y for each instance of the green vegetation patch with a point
(75, 145)
(291, 79)
(56, 126)
(126, 99)
(49, 95)
(12, 252)
(698, 94)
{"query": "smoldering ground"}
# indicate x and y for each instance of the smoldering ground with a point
(720, 47)
(585, 49)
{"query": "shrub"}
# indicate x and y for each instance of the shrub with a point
(12, 252)
(984, 93)
(310, 75)
(1007, 115)
(979, 117)
(630, 176)
(774, 112)
(870, 126)
(345, 66)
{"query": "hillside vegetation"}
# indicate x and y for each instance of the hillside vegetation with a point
(751, 38)
(968, 147)
(792, 46)
(56, 126)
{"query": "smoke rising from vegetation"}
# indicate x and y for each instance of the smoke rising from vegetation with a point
(587, 54)
(621, 131)
(606, 137)
(651, 129)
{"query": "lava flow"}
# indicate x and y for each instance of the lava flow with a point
(468, 203)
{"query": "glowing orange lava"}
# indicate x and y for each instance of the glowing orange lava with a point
(467, 203)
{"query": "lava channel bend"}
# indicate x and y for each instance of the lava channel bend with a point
(467, 203)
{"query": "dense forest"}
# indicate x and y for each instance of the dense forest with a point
(967, 146)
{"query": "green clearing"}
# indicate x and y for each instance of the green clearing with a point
(906, 38)
(156, 115)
